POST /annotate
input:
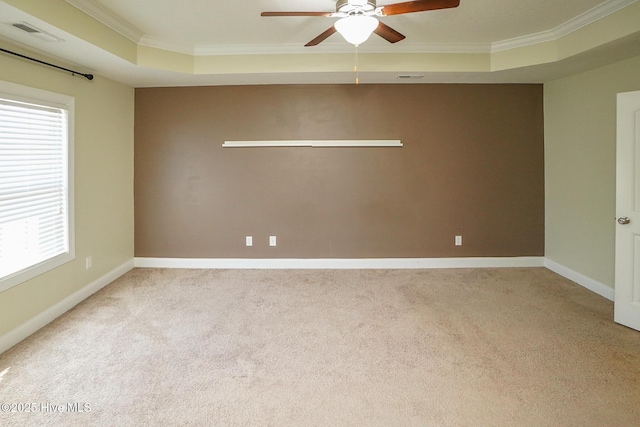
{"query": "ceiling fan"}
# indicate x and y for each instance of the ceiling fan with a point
(358, 18)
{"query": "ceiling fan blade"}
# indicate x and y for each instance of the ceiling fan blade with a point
(418, 6)
(321, 37)
(388, 33)
(297, 14)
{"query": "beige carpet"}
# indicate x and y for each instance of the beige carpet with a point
(492, 347)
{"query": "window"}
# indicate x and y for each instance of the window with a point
(36, 182)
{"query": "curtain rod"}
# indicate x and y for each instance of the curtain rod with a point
(87, 76)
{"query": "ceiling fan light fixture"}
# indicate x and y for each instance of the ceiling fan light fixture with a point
(356, 29)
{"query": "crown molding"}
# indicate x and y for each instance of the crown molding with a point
(108, 18)
(116, 23)
(157, 43)
(589, 17)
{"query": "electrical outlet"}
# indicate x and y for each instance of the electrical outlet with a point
(88, 262)
(458, 240)
(272, 240)
(249, 240)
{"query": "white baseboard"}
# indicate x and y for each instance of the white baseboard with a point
(16, 335)
(582, 280)
(368, 263)
(378, 263)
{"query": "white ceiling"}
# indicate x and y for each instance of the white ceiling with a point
(208, 27)
(205, 25)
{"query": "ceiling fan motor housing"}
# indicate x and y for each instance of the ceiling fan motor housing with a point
(355, 6)
(355, 14)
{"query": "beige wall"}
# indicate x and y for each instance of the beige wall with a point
(580, 167)
(103, 187)
(471, 165)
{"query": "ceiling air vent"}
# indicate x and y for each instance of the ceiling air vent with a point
(410, 76)
(36, 32)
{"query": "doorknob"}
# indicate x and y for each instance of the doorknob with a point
(624, 220)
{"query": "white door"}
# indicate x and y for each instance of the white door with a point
(627, 282)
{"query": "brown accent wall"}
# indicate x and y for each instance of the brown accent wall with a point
(472, 165)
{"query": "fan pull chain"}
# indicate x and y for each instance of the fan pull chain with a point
(355, 67)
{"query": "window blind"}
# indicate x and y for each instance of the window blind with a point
(34, 209)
